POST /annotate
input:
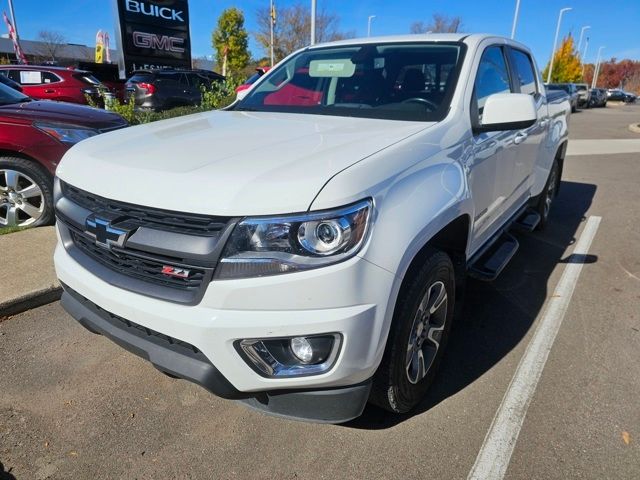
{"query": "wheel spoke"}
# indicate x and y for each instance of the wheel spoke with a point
(31, 191)
(440, 298)
(11, 217)
(33, 212)
(12, 177)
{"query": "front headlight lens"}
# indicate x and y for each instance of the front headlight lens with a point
(270, 246)
(65, 133)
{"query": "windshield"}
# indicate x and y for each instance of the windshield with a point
(8, 95)
(408, 81)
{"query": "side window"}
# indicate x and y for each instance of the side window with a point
(48, 77)
(525, 72)
(168, 79)
(14, 75)
(492, 76)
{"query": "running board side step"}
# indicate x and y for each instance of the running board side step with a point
(528, 221)
(492, 261)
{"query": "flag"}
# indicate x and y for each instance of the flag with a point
(12, 35)
(99, 47)
(273, 13)
(107, 53)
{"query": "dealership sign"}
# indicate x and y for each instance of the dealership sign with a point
(153, 34)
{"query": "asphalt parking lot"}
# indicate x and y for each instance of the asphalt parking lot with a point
(74, 405)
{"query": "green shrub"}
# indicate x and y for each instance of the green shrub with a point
(219, 95)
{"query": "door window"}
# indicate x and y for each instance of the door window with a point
(525, 72)
(492, 76)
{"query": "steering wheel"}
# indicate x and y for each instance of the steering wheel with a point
(432, 106)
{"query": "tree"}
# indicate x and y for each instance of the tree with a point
(230, 41)
(50, 44)
(566, 63)
(292, 30)
(439, 24)
(616, 74)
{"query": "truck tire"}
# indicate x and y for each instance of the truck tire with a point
(418, 336)
(548, 194)
(26, 198)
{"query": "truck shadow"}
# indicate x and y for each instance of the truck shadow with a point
(5, 474)
(497, 316)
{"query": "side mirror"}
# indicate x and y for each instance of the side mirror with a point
(507, 111)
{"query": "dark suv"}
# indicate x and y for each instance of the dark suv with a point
(164, 89)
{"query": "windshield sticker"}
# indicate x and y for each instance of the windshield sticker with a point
(342, 68)
(30, 77)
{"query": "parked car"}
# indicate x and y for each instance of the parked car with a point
(54, 83)
(241, 90)
(571, 90)
(10, 83)
(618, 95)
(598, 97)
(325, 271)
(33, 137)
(109, 75)
(584, 95)
(169, 88)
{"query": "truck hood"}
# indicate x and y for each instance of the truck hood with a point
(227, 162)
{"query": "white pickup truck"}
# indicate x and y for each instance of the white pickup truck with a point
(302, 251)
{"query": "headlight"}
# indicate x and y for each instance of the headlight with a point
(270, 246)
(66, 133)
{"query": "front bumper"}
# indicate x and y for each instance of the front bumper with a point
(349, 298)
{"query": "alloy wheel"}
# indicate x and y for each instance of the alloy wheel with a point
(551, 190)
(22, 201)
(426, 332)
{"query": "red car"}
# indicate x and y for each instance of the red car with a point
(54, 83)
(33, 138)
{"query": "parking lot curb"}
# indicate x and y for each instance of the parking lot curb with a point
(635, 127)
(29, 301)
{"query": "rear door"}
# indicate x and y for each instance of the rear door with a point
(39, 84)
(529, 141)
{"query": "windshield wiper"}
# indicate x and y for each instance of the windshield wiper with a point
(245, 109)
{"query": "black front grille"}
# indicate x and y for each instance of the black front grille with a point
(147, 216)
(141, 266)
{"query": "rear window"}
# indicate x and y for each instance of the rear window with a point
(141, 78)
(87, 78)
(525, 71)
(581, 87)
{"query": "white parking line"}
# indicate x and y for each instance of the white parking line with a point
(495, 453)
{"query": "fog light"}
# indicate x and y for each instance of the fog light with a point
(302, 349)
(291, 356)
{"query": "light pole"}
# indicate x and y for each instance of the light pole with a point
(515, 19)
(584, 55)
(555, 42)
(272, 21)
(313, 22)
(371, 17)
(581, 35)
(13, 18)
(596, 72)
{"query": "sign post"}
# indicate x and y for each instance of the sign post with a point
(152, 34)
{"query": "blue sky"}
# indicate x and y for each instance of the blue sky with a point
(614, 25)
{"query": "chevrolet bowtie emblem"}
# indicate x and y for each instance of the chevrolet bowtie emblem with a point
(104, 234)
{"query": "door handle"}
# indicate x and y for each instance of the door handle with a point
(49, 91)
(520, 137)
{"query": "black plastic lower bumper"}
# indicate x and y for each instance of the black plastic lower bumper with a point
(182, 360)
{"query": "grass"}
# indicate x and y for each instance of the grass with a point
(6, 230)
